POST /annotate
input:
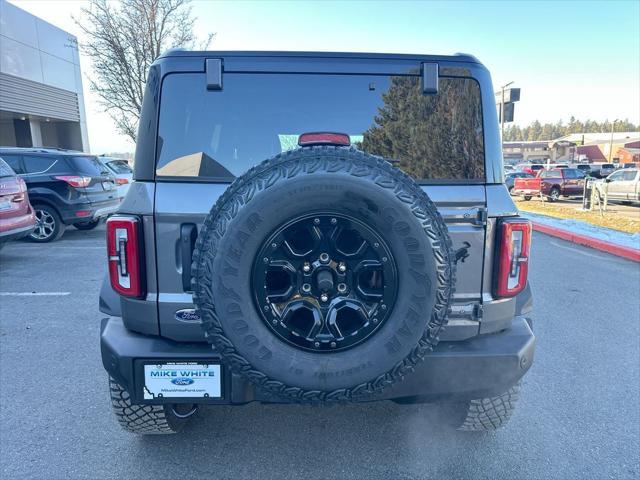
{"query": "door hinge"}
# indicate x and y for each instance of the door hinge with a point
(481, 217)
(213, 68)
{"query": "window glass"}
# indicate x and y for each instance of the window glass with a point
(629, 175)
(221, 134)
(119, 166)
(5, 170)
(34, 164)
(89, 166)
(14, 162)
(616, 176)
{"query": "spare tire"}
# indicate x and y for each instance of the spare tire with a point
(323, 274)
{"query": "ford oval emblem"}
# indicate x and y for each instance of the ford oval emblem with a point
(187, 315)
(182, 381)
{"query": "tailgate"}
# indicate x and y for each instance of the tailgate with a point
(527, 184)
(462, 207)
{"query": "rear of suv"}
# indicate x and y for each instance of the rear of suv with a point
(65, 188)
(316, 228)
(17, 219)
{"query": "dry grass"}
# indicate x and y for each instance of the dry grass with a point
(625, 219)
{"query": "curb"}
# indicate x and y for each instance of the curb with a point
(618, 250)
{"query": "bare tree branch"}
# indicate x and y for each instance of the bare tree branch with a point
(123, 39)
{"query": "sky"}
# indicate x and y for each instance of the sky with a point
(577, 58)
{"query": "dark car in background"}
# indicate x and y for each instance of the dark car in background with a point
(65, 188)
(17, 218)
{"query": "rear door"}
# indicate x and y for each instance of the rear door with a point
(206, 138)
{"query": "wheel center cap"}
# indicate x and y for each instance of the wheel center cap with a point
(324, 280)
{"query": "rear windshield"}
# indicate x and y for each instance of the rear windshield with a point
(119, 166)
(221, 134)
(88, 166)
(5, 170)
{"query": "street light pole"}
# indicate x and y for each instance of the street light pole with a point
(611, 140)
(502, 112)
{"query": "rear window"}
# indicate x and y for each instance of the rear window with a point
(88, 165)
(221, 134)
(119, 166)
(14, 162)
(5, 170)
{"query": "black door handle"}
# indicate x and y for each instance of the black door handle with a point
(188, 234)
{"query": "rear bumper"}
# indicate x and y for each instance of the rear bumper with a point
(91, 211)
(17, 232)
(484, 366)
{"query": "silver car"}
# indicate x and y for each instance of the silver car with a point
(122, 171)
(622, 185)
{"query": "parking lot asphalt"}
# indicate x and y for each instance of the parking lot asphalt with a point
(579, 414)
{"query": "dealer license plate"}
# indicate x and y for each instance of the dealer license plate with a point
(182, 380)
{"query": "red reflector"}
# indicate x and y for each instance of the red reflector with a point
(122, 181)
(512, 267)
(83, 213)
(324, 138)
(75, 180)
(125, 259)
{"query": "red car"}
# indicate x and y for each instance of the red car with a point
(17, 218)
(551, 184)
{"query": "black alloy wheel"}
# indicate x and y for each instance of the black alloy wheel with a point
(324, 282)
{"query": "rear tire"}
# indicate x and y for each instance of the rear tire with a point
(554, 195)
(87, 225)
(488, 414)
(526, 198)
(49, 226)
(146, 419)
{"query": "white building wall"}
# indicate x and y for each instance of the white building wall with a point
(35, 50)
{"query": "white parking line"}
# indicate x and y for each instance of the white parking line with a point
(34, 294)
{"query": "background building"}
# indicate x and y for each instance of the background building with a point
(525, 152)
(41, 98)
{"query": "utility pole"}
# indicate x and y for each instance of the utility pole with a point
(502, 112)
(611, 140)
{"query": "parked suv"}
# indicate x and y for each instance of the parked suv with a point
(17, 219)
(65, 188)
(316, 228)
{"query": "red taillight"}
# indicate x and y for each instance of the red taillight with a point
(83, 213)
(75, 180)
(514, 242)
(125, 256)
(122, 181)
(324, 138)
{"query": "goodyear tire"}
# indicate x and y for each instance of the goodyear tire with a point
(330, 181)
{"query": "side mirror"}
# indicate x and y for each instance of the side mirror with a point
(607, 180)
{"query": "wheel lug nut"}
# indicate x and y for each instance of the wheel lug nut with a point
(324, 257)
(316, 221)
(342, 287)
(274, 321)
(333, 344)
(333, 221)
(265, 260)
(306, 268)
(266, 308)
(342, 267)
(384, 307)
(274, 245)
(317, 344)
(306, 288)
(376, 245)
(324, 297)
(384, 259)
